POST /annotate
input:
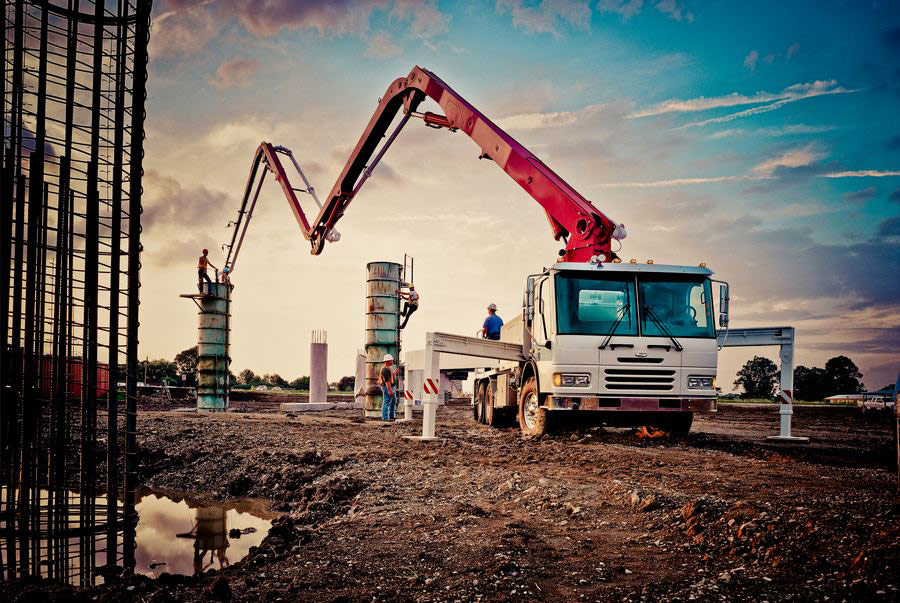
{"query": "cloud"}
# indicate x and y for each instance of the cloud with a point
(792, 50)
(797, 92)
(702, 103)
(235, 72)
(184, 30)
(167, 203)
(862, 174)
(676, 182)
(790, 165)
(269, 18)
(382, 46)
(624, 8)
(534, 121)
(673, 10)
(860, 197)
(770, 58)
(796, 129)
(188, 25)
(789, 159)
(425, 18)
(750, 60)
(548, 15)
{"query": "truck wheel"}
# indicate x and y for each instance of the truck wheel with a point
(679, 423)
(489, 405)
(476, 404)
(479, 404)
(532, 418)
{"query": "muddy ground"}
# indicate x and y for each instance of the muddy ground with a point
(485, 514)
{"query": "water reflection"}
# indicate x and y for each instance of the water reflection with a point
(182, 536)
(173, 534)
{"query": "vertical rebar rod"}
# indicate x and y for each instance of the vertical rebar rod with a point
(112, 435)
(138, 95)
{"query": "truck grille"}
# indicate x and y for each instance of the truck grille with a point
(626, 379)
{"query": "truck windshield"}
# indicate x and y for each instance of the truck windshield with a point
(681, 305)
(592, 304)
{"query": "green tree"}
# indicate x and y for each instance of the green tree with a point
(186, 361)
(247, 377)
(843, 376)
(346, 384)
(811, 383)
(274, 379)
(758, 377)
(301, 383)
(158, 371)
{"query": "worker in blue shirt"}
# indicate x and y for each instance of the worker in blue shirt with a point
(492, 324)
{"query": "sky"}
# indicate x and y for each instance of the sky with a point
(761, 138)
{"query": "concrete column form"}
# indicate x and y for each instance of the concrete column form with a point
(382, 326)
(213, 349)
(318, 367)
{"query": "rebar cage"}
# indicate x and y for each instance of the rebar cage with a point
(73, 93)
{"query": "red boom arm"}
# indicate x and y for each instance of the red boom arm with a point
(586, 230)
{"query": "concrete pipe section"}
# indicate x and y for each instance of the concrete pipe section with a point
(382, 326)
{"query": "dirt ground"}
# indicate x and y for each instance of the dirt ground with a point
(486, 514)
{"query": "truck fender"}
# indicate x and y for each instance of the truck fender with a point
(529, 369)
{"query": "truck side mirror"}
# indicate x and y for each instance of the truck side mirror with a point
(723, 305)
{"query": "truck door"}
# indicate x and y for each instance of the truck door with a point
(544, 330)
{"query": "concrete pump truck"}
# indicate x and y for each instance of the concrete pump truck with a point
(635, 342)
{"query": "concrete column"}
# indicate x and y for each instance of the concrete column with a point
(318, 367)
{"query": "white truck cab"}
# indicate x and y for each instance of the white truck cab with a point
(636, 342)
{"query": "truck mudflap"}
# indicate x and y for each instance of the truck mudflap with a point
(631, 404)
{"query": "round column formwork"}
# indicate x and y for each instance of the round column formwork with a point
(382, 326)
(213, 353)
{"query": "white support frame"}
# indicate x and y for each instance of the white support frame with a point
(447, 343)
(784, 338)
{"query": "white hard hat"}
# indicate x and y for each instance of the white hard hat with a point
(492, 307)
(388, 357)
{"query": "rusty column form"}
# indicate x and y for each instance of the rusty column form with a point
(382, 326)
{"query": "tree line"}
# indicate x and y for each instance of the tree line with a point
(759, 378)
(183, 371)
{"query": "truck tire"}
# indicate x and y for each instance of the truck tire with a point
(489, 405)
(678, 423)
(479, 404)
(533, 419)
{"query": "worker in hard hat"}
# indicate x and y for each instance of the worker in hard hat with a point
(388, 391)
(202, 264)
(492, 324)
(410, 305)
(226, 275)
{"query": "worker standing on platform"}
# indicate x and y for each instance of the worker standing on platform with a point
(226, 276)
(388, 392)
(492, 324)
(202, 264)
(411, 304)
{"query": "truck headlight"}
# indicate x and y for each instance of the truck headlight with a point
(701, 382)
(571, 380)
